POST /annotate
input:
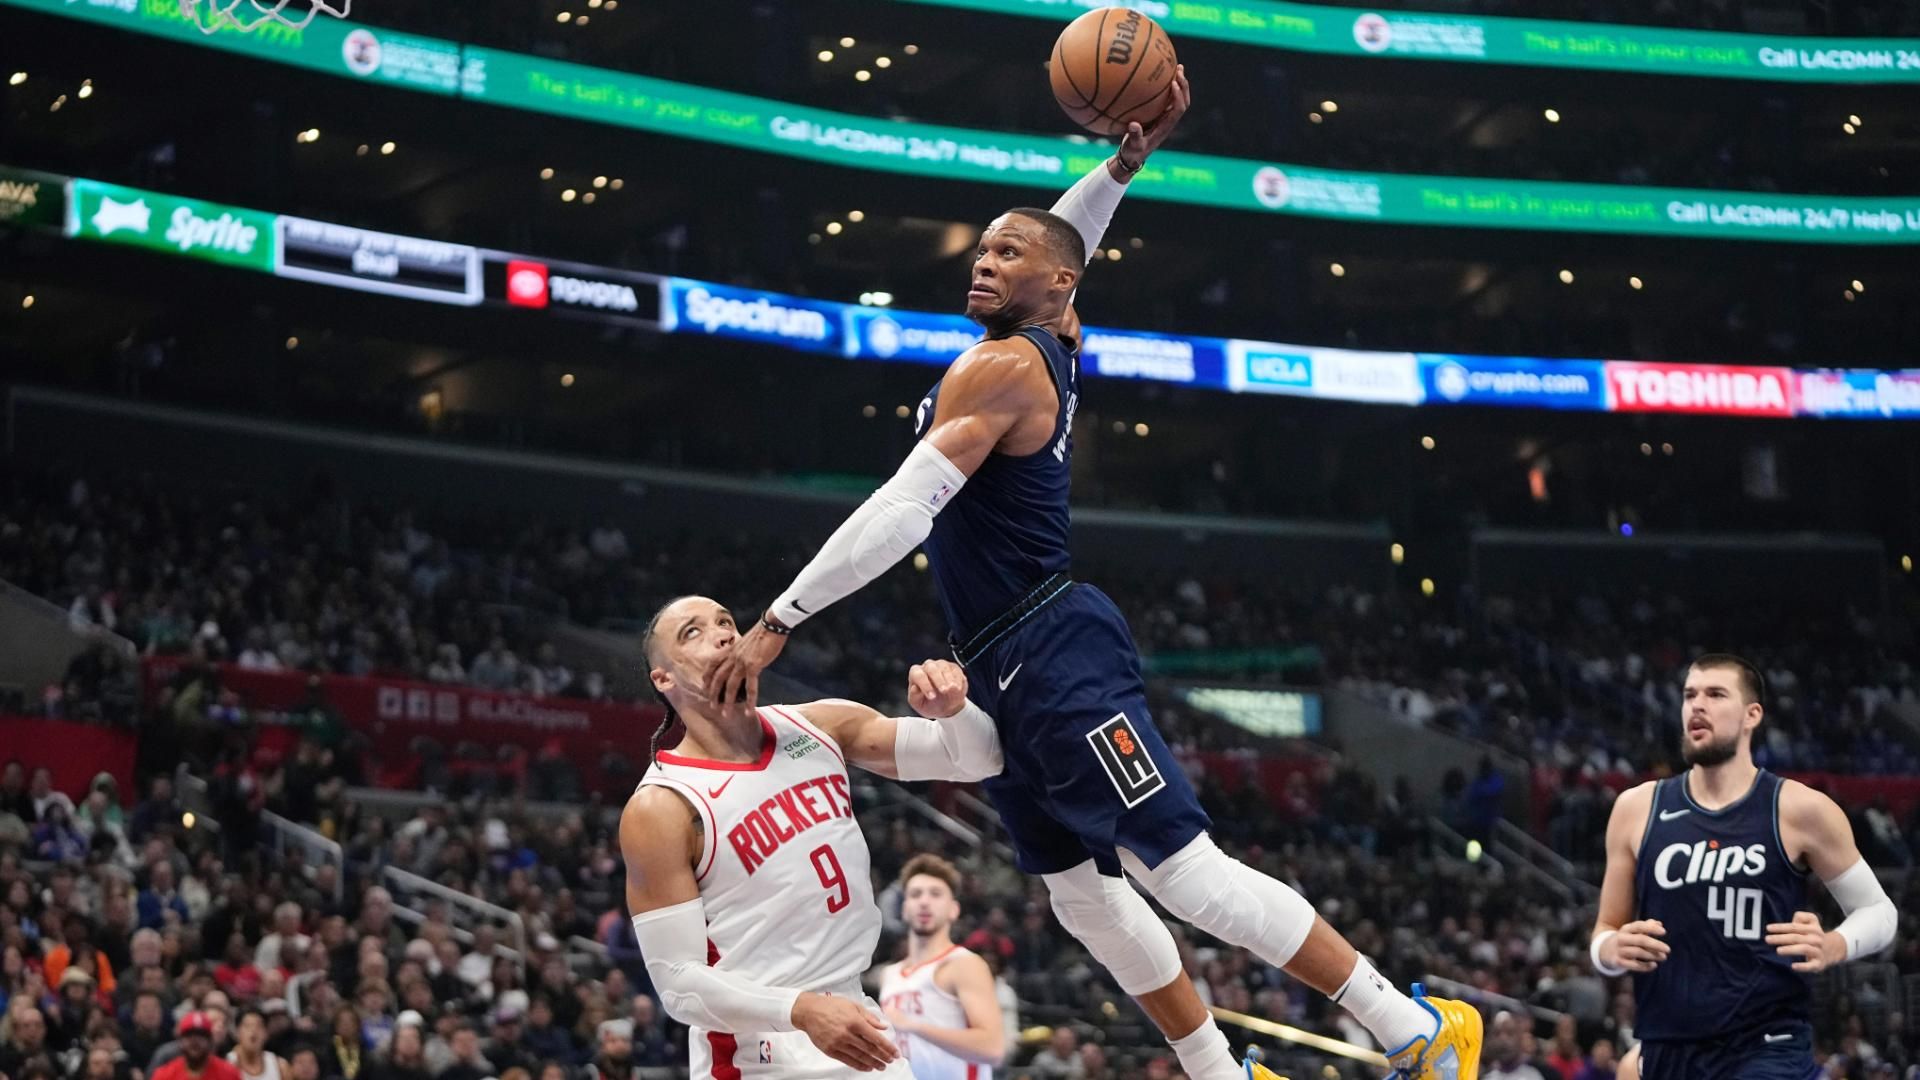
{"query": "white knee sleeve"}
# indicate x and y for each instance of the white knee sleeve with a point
(1223, 896)
(1117, 926)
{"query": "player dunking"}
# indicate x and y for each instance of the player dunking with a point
(940, 998)
(1705, 895)
(1090, 787)
(747, 875)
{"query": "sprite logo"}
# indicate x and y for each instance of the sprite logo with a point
(176, 226)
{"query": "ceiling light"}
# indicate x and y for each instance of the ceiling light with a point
(57, 102)
(825, 55)
(1100, 253)
(581, 21)
(293, 343)
(611, 4)
(593, 3)
(362, 150)
(1337, 270)
(569, 195)
(869, 411)
(846, 43)
(1329, 106)
(1666, 448)
(1397, 553)
(26, 301)
(902, 411)
(1646, 449)
(1906, 563)
(883, 61)
(1566, 277)
(387, 147)
(862, 75)
(1119, 427)
(546, 174)
(1552, 115)
(813, 238)
(566, 379)
(856, 216)
(1315, 118)
(1855, 120)
(599, 181)
(617, 184)
(920, 561)
(1114, 254)
(833, 228)
(1426, 586)
(565, 16)
(312, 134)
(1849, 294)
(912, 50)
(588, 197)
(1426, 442)
(19, 77)
(1136, 243)
(1849, 129)
(86, 89)
(1858, 285)
(1635, 282)
(1141, 430)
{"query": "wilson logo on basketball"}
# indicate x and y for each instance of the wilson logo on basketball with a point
(526, 284)
(1120, 49)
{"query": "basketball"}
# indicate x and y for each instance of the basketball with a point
(1112, 67)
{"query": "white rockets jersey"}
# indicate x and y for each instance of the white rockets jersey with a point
(912, 991)
(784, 872)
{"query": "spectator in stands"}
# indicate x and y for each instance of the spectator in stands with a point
(651, 1047)
(1060, 1058)
(55, 839)
(1601, 1064)
(41, 790)
(446, 667)
(76, 1006)
(555, 679)
(285, 935)
(13, 792)
(147, 1030)
(1093, 1061)
(614, 1061)
(250, 1054)
(468, 1063)
(993, 937)
(495, 669)
(1564, 1056)
(506, 1048)
(196, 1060)
(1506, 1051)
(405, 1058)
(25, 1037)
(160, 898)
(305, 1063)
(158, 810)
(343, 1055)
(258, 655)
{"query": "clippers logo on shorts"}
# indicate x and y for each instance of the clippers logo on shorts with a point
(1132, 771)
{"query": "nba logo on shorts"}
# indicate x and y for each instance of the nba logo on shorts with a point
(766, 1052)
(1372, 33)
(1128, 765)
(361, 51)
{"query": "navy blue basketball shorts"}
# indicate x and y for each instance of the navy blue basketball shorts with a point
(1086, 770)
(1781, 1051)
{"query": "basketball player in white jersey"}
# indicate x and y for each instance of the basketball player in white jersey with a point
(747, 875)
(250, 1054)
(941, 997)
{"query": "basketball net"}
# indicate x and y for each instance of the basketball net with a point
(212, 16)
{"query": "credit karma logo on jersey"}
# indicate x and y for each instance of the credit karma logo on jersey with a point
(1514, 380)
(912, 336)
(703, 308)
(1699, 388)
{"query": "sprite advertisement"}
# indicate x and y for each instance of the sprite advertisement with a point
(173, 225)
(1646, 50)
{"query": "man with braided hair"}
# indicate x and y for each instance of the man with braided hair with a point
(747, 874)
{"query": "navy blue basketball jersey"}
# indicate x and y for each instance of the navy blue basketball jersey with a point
(1007, 530)
(1715, 879)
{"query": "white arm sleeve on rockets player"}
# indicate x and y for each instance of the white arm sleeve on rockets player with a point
(1089, 204)
(892, 522)
(964, 746)
(1871, 917)
(699, 996)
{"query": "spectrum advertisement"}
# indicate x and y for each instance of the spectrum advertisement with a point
(416, 268)
(597, 95)
(1412, 35)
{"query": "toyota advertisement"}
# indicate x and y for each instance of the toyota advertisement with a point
(574, 290)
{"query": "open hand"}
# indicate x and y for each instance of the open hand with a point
(1141, 141)
(736, 679)
(936, 689)
(845, 1031)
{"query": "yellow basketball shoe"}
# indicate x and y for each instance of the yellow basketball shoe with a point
(1452, 1052)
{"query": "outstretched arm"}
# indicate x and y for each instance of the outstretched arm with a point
(951, 739)
(1089, 204)
(986, 393)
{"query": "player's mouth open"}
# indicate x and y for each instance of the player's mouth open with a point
(980, 290)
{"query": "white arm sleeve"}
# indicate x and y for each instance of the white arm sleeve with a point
(964, 746)
(1871, 917)
(699, 996)
(1089, 204)
(892, 522)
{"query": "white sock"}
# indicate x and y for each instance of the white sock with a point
(1382, 1009)
(1204, 1054)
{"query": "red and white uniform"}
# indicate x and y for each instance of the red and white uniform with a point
(785, 878)
(910, 989)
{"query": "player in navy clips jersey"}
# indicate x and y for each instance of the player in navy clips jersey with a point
(1090, 789)
(1704, 900)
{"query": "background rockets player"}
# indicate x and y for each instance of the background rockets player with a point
(941, 997)
(748, 876)
(1704, 899)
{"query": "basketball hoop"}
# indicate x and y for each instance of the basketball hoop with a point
(212, 16)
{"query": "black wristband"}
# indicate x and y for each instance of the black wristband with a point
(774, 627)
(1130, 170)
